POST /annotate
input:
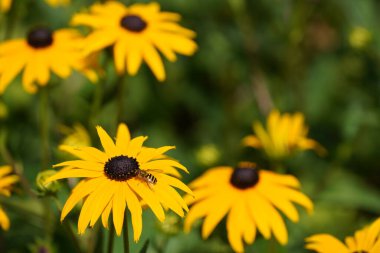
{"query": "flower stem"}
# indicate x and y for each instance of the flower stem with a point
(125, 234)
(68, 227)
(111, 236)
(95, 107)
(120, 99)
(44, 128)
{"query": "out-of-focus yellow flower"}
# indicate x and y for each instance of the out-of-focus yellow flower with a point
(249, 198)
(5, 5)
(285, 135)
(359, 37)
(366, 240)
(208, 155)
(77, 136)
(125, 173)
(56, 3)
(6, 182)
(39, 53)
(136, 33)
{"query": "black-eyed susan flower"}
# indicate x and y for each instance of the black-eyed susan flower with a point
(124, 175)
(42, 51)
(285, 134)
(6, 181)
(366, 240)
(5, 5)
(250, 198)
(136, 33)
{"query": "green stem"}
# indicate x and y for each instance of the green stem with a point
(111, 236)
(44, 127)
(95, 107)
(125, 235)
(272, 246)
(120, 99)
(68, 227)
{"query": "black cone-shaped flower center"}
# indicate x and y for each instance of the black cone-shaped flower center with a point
(360, 251)
(244, 177)
(40, 37)
(121, 168)
(133, 23)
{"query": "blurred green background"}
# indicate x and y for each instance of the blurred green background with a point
(318, 57)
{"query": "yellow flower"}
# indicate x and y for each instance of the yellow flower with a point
(136, 33)
(123, 175)
(6, 181)
(41, 52)
(250, 199)
(366, 240)
(5, 5)
(76, 136)
(359, 37)
(285, 135)
(56, 3)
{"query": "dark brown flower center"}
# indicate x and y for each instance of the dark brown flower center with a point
(121, 168)
(40, 37)
(360, 251)
(133, 23)
(244, 177)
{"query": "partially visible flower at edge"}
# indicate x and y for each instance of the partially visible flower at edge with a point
(5, 5)
(137, 33)
(39, 53)
(56, 3)
(116, 179)
(285, 135)
(249, 198)
(6, 181)
(366, 240)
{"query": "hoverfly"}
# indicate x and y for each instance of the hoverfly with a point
(147, 177)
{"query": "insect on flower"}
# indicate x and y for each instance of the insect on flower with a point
(147, 177)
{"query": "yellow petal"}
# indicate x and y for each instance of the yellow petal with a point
(107, 142)
(74, 173)
(216, 214)
(154, 61)
(135, 210)
(6, 181)
(106, 214)
(147, 195)
(103, 200)
(4, 220)
(372, 234)
(120, 53)
(85, 153)
(123, 138)
(4, 170)
(255, 204)
(163, 164)
(87, 165)
(135, 146)
(148, 154)
(174, 182)
(118, 209)
(233, 229)
(167, 200)
(325, 244)
(251, 141)
(83, 189)
(134, 55)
